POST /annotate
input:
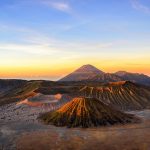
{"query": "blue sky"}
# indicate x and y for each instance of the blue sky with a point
(68, 33)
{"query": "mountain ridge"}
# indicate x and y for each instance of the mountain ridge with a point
(91, 73)
(123, 95)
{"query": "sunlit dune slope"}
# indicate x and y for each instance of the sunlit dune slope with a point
(124, 95)
(86, 112)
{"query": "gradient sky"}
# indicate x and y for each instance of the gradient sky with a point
(47, 39)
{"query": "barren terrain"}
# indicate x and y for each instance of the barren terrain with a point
(24, 131)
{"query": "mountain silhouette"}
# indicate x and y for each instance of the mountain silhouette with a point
(134, 77)
(91, 73)
(83, 73)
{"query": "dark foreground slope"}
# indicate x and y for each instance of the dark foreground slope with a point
(123, 95)
(86, 112)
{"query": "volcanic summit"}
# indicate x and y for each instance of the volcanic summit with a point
(83, 73)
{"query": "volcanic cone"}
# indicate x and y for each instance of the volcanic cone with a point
(86, 112)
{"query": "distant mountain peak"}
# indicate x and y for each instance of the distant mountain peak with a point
(87, 65)
(134, 77)
(89, 68)
(89, 72)
(83, 73)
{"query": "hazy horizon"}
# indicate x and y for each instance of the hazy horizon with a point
(58, 77)
(50, 38)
